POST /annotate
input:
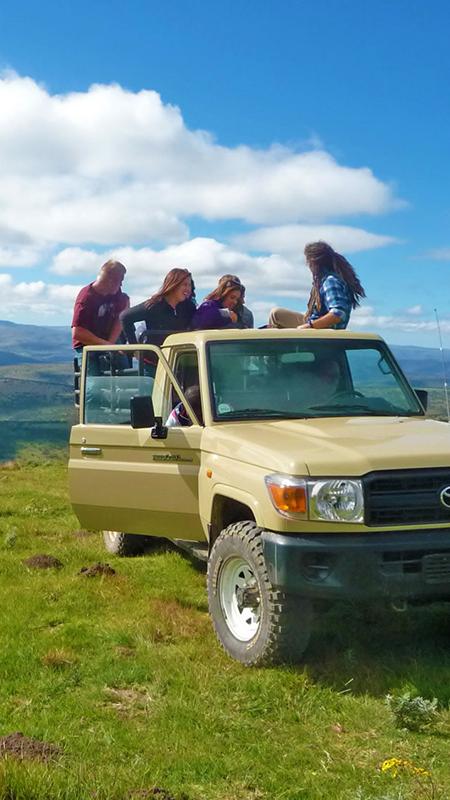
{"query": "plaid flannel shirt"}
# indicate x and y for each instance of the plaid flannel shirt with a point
(334, 296)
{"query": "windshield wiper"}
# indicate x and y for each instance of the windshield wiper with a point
(355, 407)
(261, 412)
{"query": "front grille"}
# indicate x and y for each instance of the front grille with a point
(405, 497)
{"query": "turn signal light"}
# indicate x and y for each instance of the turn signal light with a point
(289, 499)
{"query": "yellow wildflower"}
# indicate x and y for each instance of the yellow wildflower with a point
(394, 765)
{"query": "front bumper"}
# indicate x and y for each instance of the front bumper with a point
(412, 565)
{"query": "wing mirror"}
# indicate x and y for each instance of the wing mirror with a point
(143, 416)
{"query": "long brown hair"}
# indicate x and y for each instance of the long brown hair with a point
(225, 287)
(173, 279)
(322, 260)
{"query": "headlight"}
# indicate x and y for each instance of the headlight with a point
(336, 500)
(331, 500)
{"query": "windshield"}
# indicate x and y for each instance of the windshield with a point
(292, 378)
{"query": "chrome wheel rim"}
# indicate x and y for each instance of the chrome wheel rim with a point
(240, 598)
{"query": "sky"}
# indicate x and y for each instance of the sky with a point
(224, 137)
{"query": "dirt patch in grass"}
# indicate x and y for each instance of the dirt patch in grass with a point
(155, 793)
(170, 621)
(9, 465)
(128, 701)
(23, 747)
(58, 659)
(125, 652)
(97, 569)
(42, 561)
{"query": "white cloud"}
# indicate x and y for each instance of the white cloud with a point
(414, 311)
(20, 256)
(366, 317)
(207, 258)
(290, 239)
(439, 254)
(112, 166)
(36, 301)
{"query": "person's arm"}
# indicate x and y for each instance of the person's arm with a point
(336, 299)
(86, 337)
(327, 321)
(129, 317)
(207, 316)
(116, 329)
(247, 317)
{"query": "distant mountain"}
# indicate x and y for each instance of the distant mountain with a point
(422, 365)
(38, 344)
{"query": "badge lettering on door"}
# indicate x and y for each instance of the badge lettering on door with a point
(172, 458)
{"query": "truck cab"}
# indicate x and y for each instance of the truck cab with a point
(308, 472)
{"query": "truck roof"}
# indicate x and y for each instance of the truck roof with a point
(199, 337)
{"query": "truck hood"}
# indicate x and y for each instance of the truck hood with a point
(333, 446)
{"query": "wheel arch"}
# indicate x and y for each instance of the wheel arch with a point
(229, 506)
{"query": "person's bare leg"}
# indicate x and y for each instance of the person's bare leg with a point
(284, 318)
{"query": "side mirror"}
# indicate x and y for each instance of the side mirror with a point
(422, 394)
(142, 414)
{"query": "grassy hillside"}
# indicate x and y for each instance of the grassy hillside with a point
(36, 392)
(36, 406)
(123, 675)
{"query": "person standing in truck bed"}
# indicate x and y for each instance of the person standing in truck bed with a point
(98, 307)
(336, 290)
(170, 309)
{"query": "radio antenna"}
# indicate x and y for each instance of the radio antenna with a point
(444, 367)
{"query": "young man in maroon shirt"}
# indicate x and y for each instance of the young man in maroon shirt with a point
(97, 308)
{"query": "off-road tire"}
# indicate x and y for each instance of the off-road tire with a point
(284, 627)
(128, 544)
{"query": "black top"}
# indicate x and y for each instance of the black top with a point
(160, 317)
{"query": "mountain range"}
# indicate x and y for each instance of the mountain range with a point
(41, 344)
(34, 344)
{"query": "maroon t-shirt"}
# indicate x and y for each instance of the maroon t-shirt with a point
(97, 312)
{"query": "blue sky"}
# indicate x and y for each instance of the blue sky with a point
(224, 136)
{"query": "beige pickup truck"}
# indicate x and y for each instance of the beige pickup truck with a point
(309, 473)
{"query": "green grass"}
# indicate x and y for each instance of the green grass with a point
(125, 675)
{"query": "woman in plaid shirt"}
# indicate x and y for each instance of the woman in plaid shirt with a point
(336, 290)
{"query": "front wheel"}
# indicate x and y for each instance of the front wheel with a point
(255, 623)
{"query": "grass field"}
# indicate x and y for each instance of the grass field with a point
(124, 675)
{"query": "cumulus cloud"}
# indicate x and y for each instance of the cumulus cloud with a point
(41, 302)
(207, 258)
(109, 166)
(292, 238)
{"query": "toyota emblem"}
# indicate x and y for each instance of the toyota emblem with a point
(445, 497)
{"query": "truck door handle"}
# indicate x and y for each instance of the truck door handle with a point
(91, 451)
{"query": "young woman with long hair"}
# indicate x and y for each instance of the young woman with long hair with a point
(336, 290)
(244, 315)
(171, 308)
(218, 309)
